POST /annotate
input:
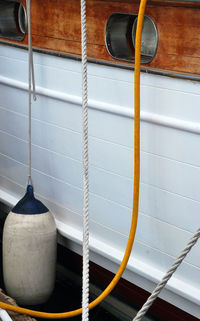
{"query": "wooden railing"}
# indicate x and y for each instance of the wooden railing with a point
(56, 28)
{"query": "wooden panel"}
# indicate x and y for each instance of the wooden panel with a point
(56, 27)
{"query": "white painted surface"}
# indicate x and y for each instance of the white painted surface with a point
(4, 315)
(170, 159)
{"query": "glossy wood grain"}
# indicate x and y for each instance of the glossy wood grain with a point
(56, 27)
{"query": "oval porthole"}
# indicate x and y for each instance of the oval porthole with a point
(13, 20)
(149, 39)
(22, 19)
(120, 37)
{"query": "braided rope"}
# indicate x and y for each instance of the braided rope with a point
(167, 276)
(31, 76)
(85, 272)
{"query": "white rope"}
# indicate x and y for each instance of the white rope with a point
(85, 273)
(167, 276)
(30, 77)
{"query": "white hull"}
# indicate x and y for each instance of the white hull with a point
(170, 160)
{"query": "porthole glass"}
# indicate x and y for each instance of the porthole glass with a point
(149, 39)
(120, 37)
(13, 21)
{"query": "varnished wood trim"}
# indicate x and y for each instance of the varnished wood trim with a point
(56, 28)
(154, 71)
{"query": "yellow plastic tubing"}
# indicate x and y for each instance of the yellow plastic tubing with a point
(131, 238)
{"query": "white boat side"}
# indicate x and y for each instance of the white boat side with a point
(170, 163)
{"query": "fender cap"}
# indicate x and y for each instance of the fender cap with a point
(29, 205)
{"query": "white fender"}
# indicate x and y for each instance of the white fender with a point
(29, 253)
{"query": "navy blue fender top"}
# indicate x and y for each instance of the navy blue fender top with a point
(29, 204)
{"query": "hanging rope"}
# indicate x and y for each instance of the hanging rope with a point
(85, 272)
(167, 276)
(31, 76)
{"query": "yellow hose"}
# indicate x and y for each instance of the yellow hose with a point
(131, 238)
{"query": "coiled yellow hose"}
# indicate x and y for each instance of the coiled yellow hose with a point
(131, 238)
